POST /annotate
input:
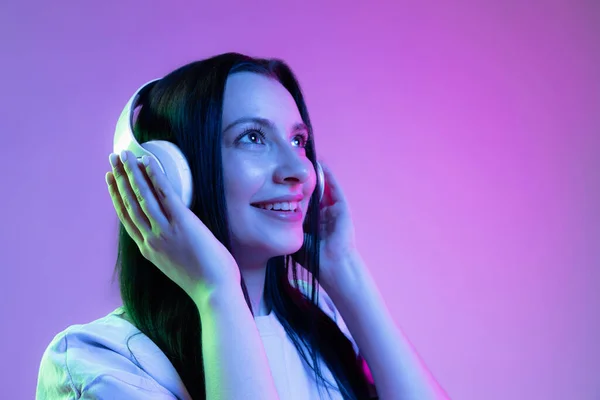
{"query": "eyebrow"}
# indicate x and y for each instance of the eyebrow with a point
(264, 122)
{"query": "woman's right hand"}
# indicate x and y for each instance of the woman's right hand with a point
(168, 233)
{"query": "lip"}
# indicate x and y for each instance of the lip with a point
(286, 216)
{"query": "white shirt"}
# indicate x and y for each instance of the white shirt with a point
(92, 361)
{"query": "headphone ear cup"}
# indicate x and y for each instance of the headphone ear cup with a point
(320, 182)
(175, 166)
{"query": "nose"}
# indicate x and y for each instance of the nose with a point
(292, 168)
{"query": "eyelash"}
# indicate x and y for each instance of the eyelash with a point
(263, 136)
(258, 130)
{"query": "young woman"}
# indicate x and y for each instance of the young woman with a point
(213, 307)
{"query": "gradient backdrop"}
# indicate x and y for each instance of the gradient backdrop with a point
(466, 137)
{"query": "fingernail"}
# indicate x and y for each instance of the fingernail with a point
(145, 160)
(112, 158)
(123, 156)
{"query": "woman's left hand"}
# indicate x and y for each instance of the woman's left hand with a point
(338, 246)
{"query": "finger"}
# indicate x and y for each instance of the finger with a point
(170, 201)
(128, 198)
(323, 214)
(129, 226)
(333, 190)
(144, 194)
(324, 219)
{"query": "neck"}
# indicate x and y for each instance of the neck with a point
(254, 277)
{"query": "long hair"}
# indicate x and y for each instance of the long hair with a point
(185, 108)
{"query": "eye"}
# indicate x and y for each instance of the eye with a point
(302, 140)
(255, 136)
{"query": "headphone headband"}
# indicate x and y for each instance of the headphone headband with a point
(124, 138)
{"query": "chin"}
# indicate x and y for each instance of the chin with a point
(282, 247)
(267, 245)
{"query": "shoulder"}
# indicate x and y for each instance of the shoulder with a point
(326, 304)
(102, 358)
(324, 301)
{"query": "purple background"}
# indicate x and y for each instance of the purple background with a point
(466, 137)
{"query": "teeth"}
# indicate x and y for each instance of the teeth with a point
(284, 206)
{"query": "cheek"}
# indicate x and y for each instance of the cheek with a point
(242, 181)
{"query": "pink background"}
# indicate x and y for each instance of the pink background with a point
(466, 137)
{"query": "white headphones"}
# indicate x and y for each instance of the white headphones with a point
(169, 157)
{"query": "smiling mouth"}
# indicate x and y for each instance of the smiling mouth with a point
(294, 215)
(288, 206)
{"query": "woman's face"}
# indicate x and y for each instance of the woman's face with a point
(266, 172)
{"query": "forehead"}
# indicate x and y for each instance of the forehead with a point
(249, 94)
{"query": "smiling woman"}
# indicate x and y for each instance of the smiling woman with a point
(243, 126)
(265, 162)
